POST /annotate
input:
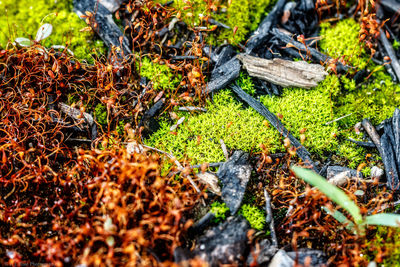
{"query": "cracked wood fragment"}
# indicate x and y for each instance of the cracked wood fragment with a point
(284, 72)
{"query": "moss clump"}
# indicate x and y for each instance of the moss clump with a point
(243, 14)
(307, 111)
(22, 19)
(253, 215)
(100, 112)
(161, 75)
(375, 98)
(220, 210)
(384, 246)
(198, 137)
(341, 41)
(246, 83)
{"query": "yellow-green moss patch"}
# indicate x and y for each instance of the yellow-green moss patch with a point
(22, 19)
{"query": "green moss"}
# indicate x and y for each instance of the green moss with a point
(384, 246)
(22, 19)
(198, 137)
(243, 14)
(342, 41)
(161, 75)
(246, 83)
(220, 210)
(100, 113)
(309, 110)
(253, 215)
(375, 98)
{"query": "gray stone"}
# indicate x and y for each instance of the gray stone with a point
(376, 172)
(111, 5)
(224, 244)
(335, 170)
(234, 176)
(261, 254)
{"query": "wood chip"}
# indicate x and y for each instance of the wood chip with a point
(76, 114)
(284, 72)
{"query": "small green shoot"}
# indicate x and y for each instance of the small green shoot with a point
(219, 209)
(339, 197)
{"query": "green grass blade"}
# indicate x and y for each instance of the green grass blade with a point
(331, 191)
(340, 218)
(384, 219)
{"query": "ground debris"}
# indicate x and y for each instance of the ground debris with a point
(224, 244)
(282, 72)
(234, 175)
(388, 145)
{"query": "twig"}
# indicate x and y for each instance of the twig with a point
(370, 129)
(338, 119)
(177, 163)
(363, 144)
(192, 109)
(269, 219)
(260, 108)
(214, 164)
(265, 26)
(391, 53)
(223, 147)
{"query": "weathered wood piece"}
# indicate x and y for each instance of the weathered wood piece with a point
(106, 28)
(260, 108)
(284, 72)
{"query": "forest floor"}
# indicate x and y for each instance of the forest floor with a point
(199, 133)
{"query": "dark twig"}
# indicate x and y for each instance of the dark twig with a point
(370, 129)
(363, 144)
(183, 57)
(391, 53)
(219, 24)
(269, 219)
(265, 26)
(314, 53)
(260, 108)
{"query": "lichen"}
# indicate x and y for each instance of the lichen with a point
(161, 75)
(220, 210)
(23, 18)
(253, 215)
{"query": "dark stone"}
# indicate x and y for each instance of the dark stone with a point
(224, 244)
(224, 75)
(234, 175)
(289, 259)
(223, 54)
(261, 254)
(318, 258)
